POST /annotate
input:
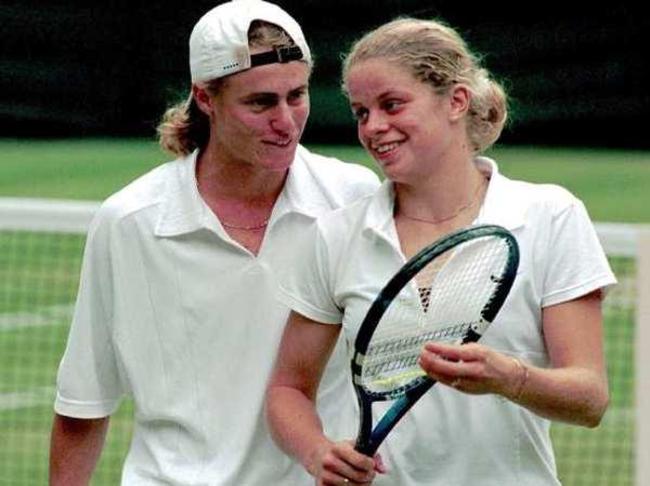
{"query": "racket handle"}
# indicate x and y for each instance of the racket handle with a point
(366, 448)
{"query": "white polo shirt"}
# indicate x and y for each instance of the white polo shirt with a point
(178, 315)
(450, 438)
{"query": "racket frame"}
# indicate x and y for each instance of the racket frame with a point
(369, 439)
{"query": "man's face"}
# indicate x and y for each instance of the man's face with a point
(260, 114)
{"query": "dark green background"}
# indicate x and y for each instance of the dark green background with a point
(576, 72)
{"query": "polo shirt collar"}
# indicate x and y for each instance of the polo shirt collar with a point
(184, 211)
(302, 193)
(501, 205)
(498, 206)
(379, 216)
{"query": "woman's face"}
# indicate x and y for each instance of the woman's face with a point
(258, 115)
(401, 121)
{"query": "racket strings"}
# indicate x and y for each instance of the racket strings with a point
(458, 287)
(397, 354)
(427, 275)
(459, 293)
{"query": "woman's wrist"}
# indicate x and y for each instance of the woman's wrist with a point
(313, 460)
(519, 383)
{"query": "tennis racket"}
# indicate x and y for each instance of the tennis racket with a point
(450, 291)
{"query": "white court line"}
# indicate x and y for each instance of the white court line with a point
(618, 414)
(48, 316)
(33, 397)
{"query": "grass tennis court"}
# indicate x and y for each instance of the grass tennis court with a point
(38, 292)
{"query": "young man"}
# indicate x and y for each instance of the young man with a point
(176, 306)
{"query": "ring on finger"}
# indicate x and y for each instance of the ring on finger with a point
(456, 383)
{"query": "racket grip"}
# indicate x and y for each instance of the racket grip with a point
(366, 448)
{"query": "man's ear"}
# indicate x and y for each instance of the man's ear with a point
(459, 100)
(203, 99)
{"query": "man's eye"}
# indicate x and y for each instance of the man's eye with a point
(262, 102)
(297, 96)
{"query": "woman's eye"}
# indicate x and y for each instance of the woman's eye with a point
(360, 114)
(392, 105)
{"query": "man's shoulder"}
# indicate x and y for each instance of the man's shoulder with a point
(347, 180)
(143, 192)
(328, 166)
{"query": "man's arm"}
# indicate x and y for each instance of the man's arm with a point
(75, 447)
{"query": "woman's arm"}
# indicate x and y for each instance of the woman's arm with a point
(290, 406)
(574, 340)
(573, 390)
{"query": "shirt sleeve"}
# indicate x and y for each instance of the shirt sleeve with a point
(577, 264)
(307, 286)
(88, 381)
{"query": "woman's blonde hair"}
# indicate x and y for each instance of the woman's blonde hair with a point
(184, 127)
(436, 54)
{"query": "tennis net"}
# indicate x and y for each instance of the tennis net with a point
(41, 244)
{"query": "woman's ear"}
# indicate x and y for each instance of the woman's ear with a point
(203, 99)
(459, 100)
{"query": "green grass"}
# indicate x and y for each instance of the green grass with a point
(612, 183)
(38, 283)
(32, 277)
(73, 169)
(25, 445)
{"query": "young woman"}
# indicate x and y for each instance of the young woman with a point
(425, 111)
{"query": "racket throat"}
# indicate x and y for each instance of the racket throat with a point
(471, 337)
(369, 440)
(364, 437)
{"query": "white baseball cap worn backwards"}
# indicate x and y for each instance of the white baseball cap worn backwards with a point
(219, 40)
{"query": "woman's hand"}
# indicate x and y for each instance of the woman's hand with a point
(338, 463)
(474, 368)
(572, 389)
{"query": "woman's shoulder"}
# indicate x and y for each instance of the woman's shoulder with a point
(545, 196)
